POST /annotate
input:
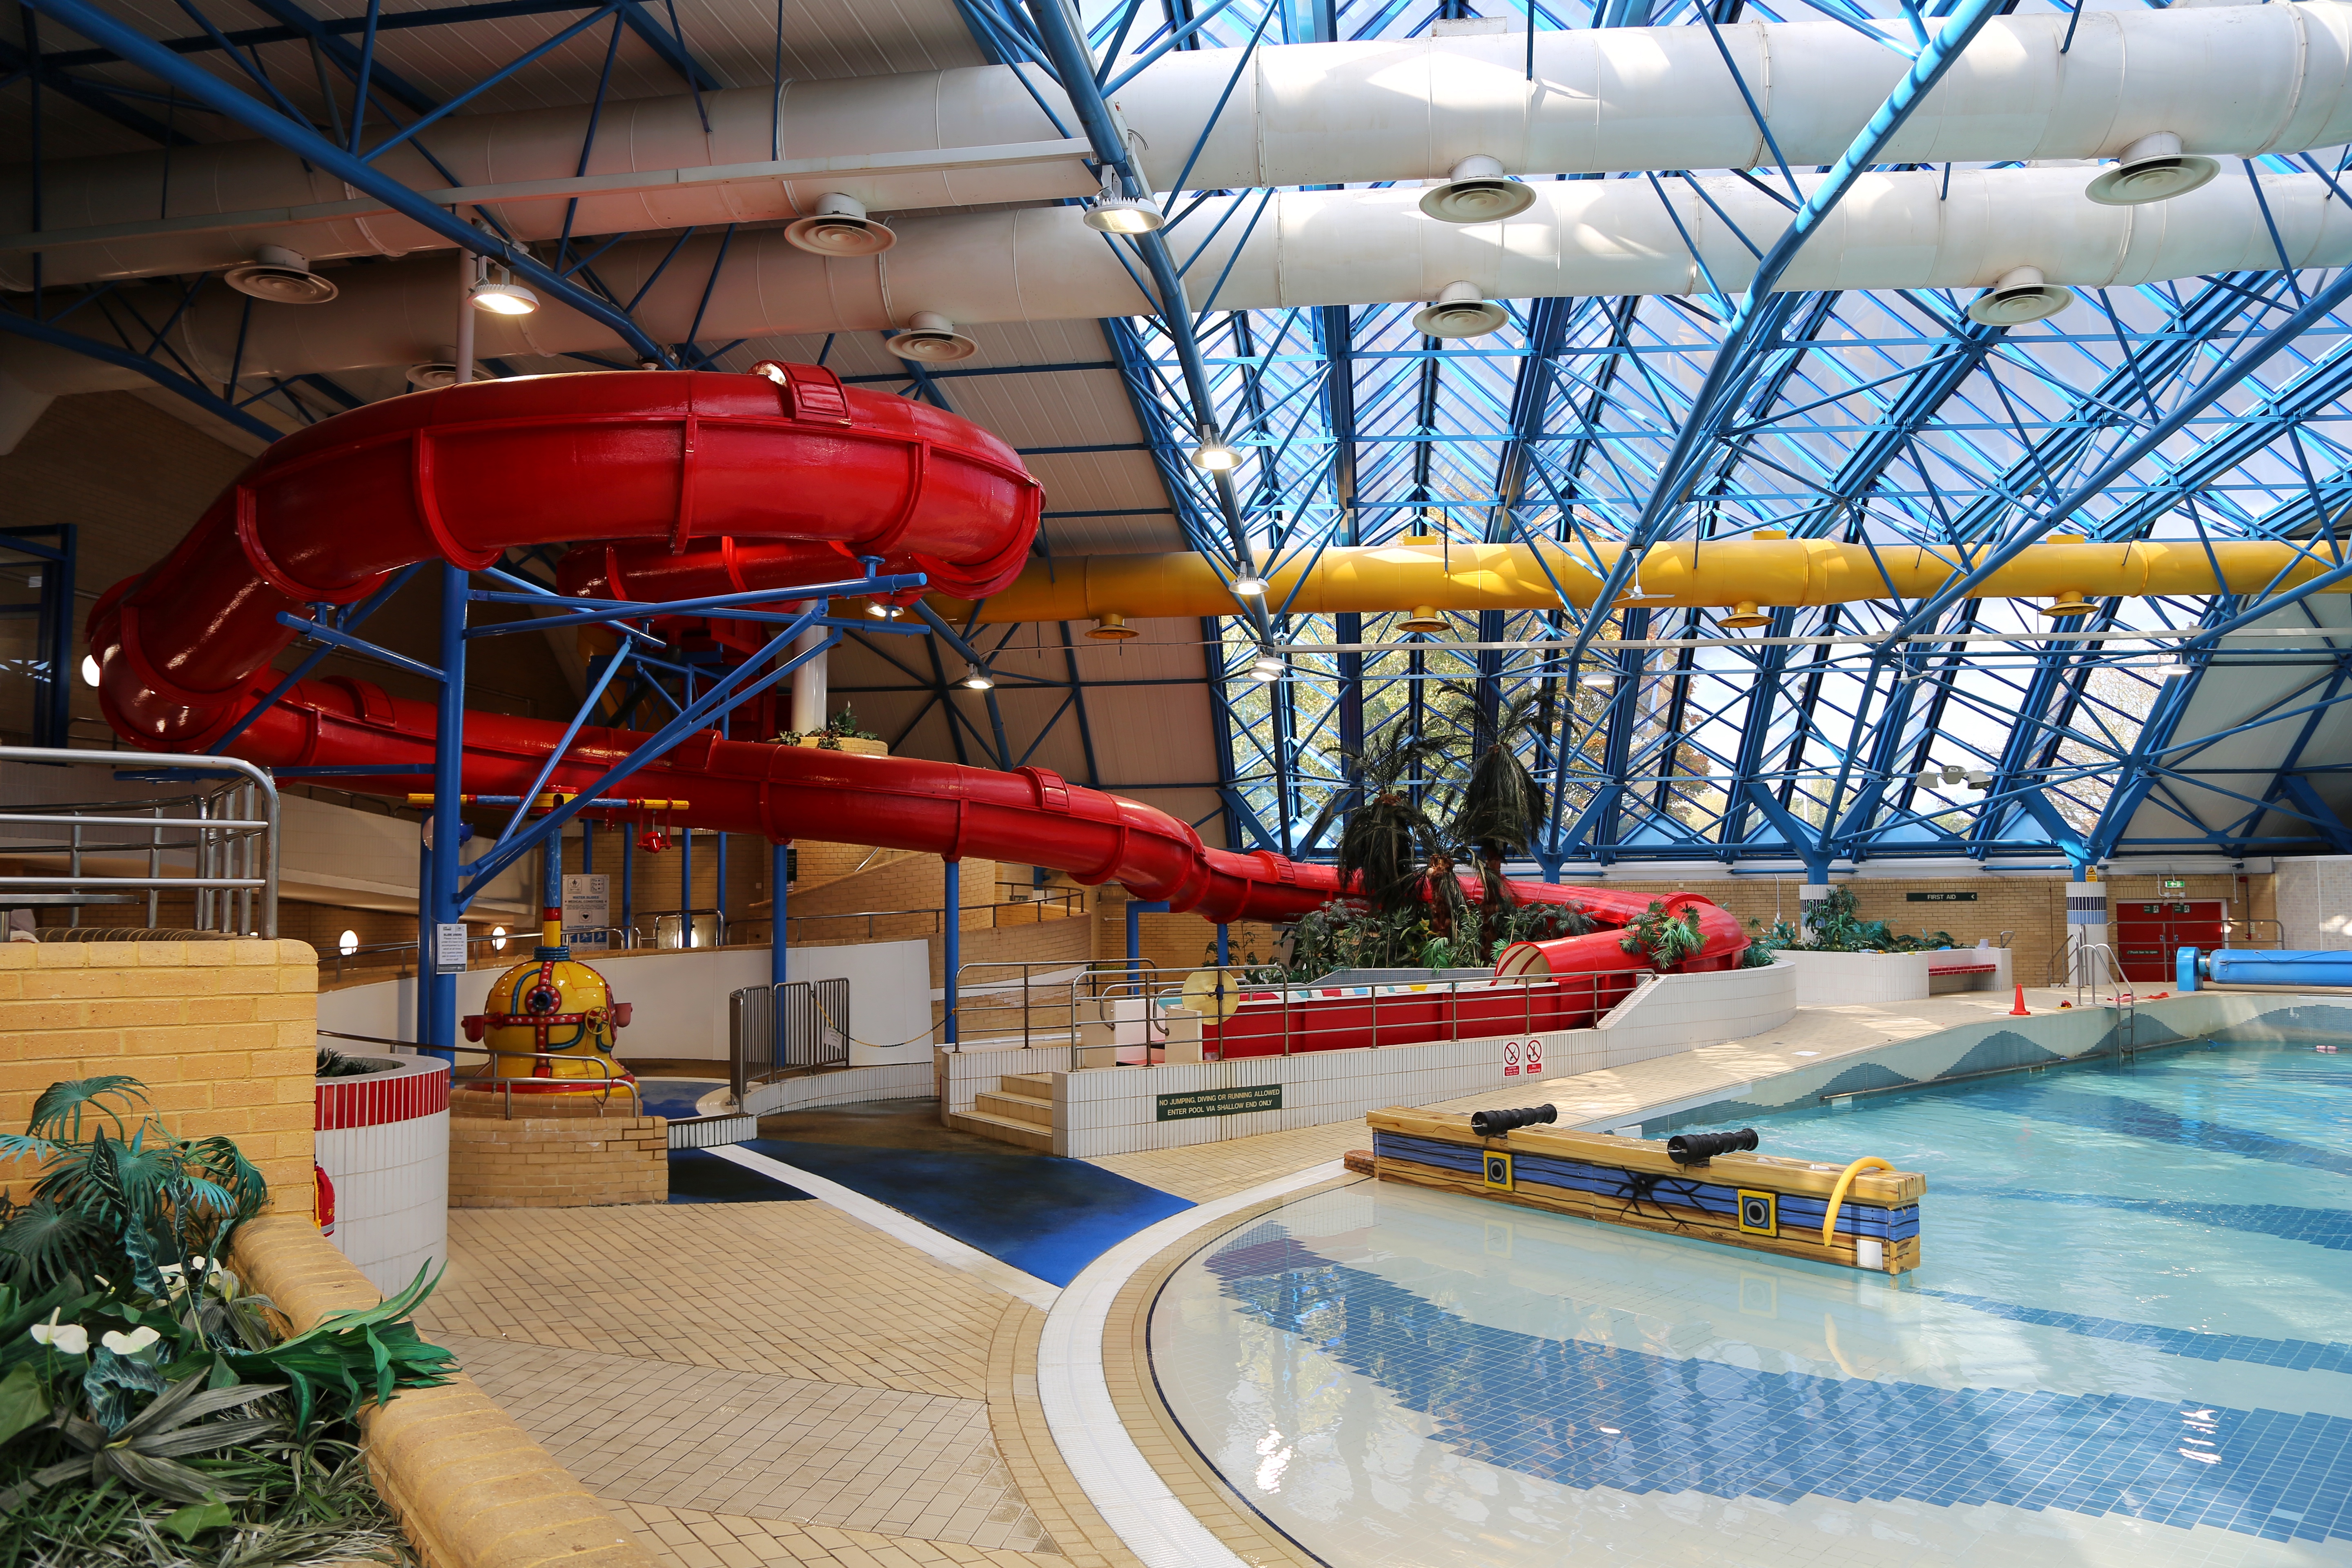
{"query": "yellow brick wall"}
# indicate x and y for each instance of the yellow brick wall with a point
(542, 1162)
(222, 1034)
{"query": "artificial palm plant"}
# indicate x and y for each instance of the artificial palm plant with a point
(1501, 805)
(1388, 836)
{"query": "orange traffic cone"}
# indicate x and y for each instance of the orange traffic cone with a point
(2018, 1011)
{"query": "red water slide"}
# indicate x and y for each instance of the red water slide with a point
(666, 484)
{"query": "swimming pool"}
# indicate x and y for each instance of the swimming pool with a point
(2127, 1345)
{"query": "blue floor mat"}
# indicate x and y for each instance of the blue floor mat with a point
(698, 1176)
(1046, 1215)
(675, 1097)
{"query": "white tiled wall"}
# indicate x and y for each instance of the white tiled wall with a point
(1836, 979)
(391, 1196)
(2315, 902)
(1675, 1012)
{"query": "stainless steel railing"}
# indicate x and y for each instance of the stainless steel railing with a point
(1110, 1005)
(225, 831)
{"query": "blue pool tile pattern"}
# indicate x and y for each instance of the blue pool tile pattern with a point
(2127, 1333)
(1585, 1414)
(2331, 1229)
(2296, 1355)
(2132, 1118)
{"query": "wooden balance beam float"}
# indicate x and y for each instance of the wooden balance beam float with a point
(1852, 1215)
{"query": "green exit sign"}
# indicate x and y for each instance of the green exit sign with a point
(2174, 884)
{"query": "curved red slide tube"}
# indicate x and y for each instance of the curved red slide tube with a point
(685, 483)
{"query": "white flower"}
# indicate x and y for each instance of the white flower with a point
(71, 1338)
(132, 1343)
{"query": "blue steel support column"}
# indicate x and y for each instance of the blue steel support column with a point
(1224, 949)
(951, 925)
(1136, 910)
(685, 887)
(779, 865)
(436, 1024)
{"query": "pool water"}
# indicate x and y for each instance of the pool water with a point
(2126, 1345)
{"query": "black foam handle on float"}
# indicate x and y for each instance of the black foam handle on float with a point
(1698, 1148)
(1494, 1123)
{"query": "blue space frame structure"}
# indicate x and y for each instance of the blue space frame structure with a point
(2206, 409)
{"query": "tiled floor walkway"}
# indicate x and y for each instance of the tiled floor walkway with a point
(765, 1447)
(748, 1383)
(777, 1383)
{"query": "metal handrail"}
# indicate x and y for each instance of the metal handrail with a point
(686, 921)
(235, 847)
(1110, 981)
(605, 1076)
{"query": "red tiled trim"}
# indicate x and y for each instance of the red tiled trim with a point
(380, 1102)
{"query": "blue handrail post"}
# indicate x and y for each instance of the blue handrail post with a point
(951, 922)
(437, 1025)
(779, 867)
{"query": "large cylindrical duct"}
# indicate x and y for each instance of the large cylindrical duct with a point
(1309, 248)
(2224, 79)
(1471, 577)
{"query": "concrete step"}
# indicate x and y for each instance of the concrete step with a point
(1020, 1134)
(1033, 1084)
(1016, 1108)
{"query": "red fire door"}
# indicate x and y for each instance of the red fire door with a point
(2146, 936)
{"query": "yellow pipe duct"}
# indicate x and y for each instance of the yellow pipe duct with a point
(1742, 575)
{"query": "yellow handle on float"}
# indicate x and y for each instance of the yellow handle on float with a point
(1837, 1194)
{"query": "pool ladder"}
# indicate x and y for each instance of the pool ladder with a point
(2125, 1002)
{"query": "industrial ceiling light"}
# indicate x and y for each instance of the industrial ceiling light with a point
(1114, 213)
(1478, 190)
(504, 299)
(1954, 774)
(881, 610)
(977, 679)
(1111, 626)
(1214, 455)
(839, 226)
(931, 339)
(1978, 778)
(280, 276)
(2020, 297)
(89, 669)
(1422, 619)
(2171, 666)
(1250, 585)
(1460, 310)
(1269, 666)
(2152, 169)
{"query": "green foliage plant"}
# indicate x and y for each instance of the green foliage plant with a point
(1667, 937)
(1835, 925)
(153, 1413)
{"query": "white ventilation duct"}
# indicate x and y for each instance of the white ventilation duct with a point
(2235, 79)
(1310, 247)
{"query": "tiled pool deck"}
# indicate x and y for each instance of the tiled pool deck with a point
(755, 1384)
